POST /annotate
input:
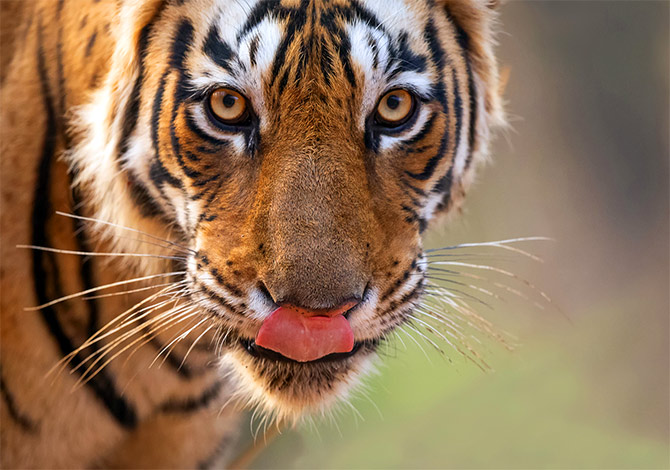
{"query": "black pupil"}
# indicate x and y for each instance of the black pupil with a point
(393, 101)
(229, 101)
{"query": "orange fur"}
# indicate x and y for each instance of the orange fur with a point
(102, 117)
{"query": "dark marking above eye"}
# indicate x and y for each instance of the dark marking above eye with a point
(405, 60)
(217, 49)
(253, 49)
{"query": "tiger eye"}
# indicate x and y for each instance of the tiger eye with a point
(395, 108)
(228, 106)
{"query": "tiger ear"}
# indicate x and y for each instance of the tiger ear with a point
(475, 21)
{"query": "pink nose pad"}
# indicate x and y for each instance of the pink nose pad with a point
(333, 312)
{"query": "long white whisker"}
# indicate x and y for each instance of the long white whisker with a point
(500, 271)
(91, 219)
(183, 361)
(126, 292)
(106, 286)
(101, 254)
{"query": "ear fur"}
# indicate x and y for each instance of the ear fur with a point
(477, 19)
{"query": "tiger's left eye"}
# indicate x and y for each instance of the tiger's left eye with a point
(395, 108)
(229, 106)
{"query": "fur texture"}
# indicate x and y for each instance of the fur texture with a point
(311, 203)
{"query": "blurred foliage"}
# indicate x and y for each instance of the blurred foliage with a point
(586, 164)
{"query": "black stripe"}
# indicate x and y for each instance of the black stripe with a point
(473, 112)
(20, 418)
(349, 13)
(157, 172)
(439, 59)
(372, 44)
(425, 130)
(258, 14)
(253, 49)
(140, 195)
(59, 62)
(181, 44)
(326, 61)
(344, 51)
(464, 42)
(221, 447)
(404, 59)
(90, 44)
(458, 108)
(443, 186)
(193, 404)
(176, 362)
(411, 295)
(220, 52)
(296, 21)
(101, 384)
(214, 296)
(133, 107)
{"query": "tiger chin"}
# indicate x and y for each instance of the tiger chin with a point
(268, 166)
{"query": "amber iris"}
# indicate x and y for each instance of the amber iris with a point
(395, 108)
(228, 106)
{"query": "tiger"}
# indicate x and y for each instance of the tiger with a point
(258, 174)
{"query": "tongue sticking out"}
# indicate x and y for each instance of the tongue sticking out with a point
(304, 338)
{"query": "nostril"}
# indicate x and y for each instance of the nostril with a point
(265, 292)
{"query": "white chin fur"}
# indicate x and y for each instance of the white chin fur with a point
(252, 392)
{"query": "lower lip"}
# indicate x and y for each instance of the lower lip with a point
(253, 349)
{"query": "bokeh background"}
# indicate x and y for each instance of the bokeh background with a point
(586, 163)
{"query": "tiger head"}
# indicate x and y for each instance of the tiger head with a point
(298, 149)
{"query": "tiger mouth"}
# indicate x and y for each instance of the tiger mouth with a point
(250, 346)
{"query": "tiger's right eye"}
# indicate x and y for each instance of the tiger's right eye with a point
(395, 108)
(228, 106)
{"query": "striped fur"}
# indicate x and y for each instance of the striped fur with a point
(312, 202)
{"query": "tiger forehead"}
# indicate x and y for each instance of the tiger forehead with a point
(251, 44)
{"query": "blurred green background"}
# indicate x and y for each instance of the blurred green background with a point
(586, 163)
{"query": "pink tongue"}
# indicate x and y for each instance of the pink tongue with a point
(303, 338)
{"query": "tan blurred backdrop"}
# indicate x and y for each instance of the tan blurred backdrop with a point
(586, 163)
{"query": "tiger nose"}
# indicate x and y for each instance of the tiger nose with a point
(323, 312)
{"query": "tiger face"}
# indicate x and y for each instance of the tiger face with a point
(298, 149)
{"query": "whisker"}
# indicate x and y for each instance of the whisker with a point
(91, 219)
(106, 286)
(135, 317)
(160, 245)
(126, 292)
(183, 361)
(128, 334)
(477, 359)
(179, 337)
(497, 284)
(60, 365)
(473, 320)
(402, 328)
(500, 271)
(87, 374)
(504, 244)
(442, 319)
(101, 254)
(465, 294)
(426, 338)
